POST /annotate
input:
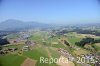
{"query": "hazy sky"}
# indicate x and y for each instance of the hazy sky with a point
(51, 11)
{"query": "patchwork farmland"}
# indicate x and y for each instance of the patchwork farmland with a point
(47, 45)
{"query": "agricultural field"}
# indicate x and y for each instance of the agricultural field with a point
(81, 52)
(10, 60)
(74, 37)
(48, 47)
(97, 46)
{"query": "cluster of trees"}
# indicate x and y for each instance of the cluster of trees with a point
(4, 41)
(0, 47)
(87, 40)
(87, 32)
(65, 42)
(62, 32)
(79, 30)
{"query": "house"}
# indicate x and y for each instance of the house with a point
(12, 49)
(25, 48)
(28, 45)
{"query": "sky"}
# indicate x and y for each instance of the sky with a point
(51, 11)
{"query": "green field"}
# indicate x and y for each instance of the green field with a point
(45, 47)
(13, 46)
(73, 37)
(36, 53)
(97, 46)
(36, 37)
(41, 52)
(10, 60)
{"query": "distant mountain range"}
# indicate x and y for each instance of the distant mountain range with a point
(16, 25)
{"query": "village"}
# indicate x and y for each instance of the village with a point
(27, 45)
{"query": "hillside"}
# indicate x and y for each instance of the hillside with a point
(16, 25)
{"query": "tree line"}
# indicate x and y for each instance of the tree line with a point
(93, 32)
(87, 40)
(4, 41)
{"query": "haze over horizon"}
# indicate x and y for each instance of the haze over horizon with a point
(51, 11)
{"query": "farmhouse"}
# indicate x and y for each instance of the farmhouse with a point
(7, 50)
(25, 48)
(12, 49)
(28, 45)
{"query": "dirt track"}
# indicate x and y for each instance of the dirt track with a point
(65, 64)
(29, 62)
